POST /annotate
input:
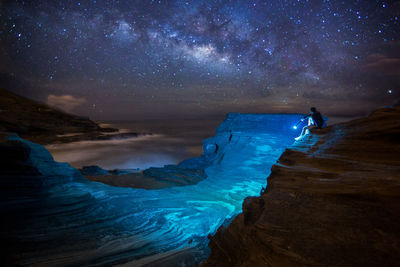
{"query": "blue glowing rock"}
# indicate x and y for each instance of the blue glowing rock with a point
(32, 165)
(93, 222)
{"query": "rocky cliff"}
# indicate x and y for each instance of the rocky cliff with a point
(333, 199)
(42, 124)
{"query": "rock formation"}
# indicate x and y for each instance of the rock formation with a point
(151, 178)
(93, 170)
(231, 135)
(42, 124)
(333, 199)
(52, 216)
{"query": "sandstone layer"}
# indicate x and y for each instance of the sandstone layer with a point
(333, 199)
(53, 216)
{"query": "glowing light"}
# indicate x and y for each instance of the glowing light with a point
(295, 127)
(202, 52)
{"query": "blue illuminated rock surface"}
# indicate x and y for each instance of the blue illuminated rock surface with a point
(333, 199)
(54, 216)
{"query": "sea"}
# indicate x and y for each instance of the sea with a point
(160, 142)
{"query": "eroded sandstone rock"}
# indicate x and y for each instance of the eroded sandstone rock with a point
(333, 199)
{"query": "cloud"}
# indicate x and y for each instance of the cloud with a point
(65, 102)
(383, 65)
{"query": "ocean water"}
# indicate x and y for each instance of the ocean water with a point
(169, 143)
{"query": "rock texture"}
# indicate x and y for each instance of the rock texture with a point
(254, 135)
(151, 178)
(52, 216)
(28, 168)
(42, 124)
(93, 170)
(333, 199)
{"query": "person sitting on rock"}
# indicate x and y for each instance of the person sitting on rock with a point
(315, 120)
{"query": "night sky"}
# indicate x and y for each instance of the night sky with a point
(149, 59)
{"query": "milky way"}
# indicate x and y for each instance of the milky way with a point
(132, 59)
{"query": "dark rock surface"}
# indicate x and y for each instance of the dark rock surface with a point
(29, 168)
(93, 170)
(152, 178)
(176, 175)
(333, 199)
(42, 124)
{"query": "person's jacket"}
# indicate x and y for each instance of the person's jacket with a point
(317, 118)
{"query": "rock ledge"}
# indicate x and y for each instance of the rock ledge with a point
(333, 199)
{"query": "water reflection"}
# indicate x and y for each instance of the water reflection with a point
(169, 143)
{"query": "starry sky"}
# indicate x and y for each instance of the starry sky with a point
(123, 59)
